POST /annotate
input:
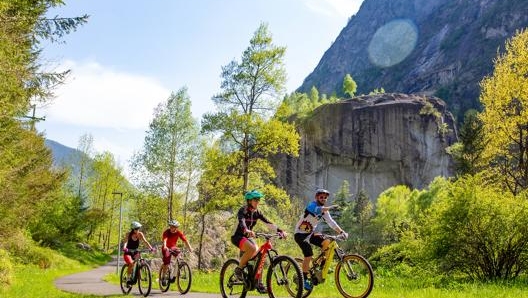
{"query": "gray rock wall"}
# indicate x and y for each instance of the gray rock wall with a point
(374, 142)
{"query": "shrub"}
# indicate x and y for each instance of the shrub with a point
(6, 269)
(480, 230)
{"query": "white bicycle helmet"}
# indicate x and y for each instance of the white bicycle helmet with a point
(135, 225)
(174, 223)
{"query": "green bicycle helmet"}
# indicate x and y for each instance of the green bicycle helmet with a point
(253, 194)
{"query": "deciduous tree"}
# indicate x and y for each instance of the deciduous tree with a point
(505, 116)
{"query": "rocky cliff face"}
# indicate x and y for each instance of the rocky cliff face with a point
(440, 47)
(374, 142)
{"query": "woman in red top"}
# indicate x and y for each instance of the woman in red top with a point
(170, 237)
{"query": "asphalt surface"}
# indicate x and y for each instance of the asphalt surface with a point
(92, 283)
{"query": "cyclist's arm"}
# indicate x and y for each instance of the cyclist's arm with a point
(142, 236)
(242, 221)
(184, 239)
(268, 223)
(331, 222)
(125, 241)
(187, 245)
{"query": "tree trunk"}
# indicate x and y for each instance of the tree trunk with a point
(202, 232)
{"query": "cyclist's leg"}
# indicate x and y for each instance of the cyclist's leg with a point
(129, 261)
(307, 253)
(166, 257)
(249, 249)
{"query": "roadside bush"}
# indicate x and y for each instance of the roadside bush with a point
(479, 230)
(6, 269)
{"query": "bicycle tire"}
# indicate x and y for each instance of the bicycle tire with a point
(288, 278)
(144, 280)
(306, 293)
(164, 276)
(184, 278)
(230, 286)
(359, 282)
(123, 277)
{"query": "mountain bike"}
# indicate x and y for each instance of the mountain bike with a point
(278, 282)
(140, 275)
(353, 274)
(178, 271)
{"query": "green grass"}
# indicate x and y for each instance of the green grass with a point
(30, 280)
(384, 287)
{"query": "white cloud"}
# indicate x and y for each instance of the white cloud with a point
(98, 96)
(344, 8)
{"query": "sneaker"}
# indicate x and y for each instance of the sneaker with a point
(261, 288)
(239, 273)
(307, 285)
(163, 282)
(173, 279)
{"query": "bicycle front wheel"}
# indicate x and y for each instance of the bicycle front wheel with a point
(184, 278)
(306, 293)
(354, 277)
(230, 285)
(284, 278)
(144, 280)
(164, 279)
(125, 287)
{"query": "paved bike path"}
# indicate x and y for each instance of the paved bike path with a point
(92, 283)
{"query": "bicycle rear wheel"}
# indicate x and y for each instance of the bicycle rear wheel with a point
(184, 278)
(164, 279)
(126, 288)
(284, 278)
(354, 277)
(230, 286)
(144, 280)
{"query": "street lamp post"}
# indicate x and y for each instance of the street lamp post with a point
(120, 220)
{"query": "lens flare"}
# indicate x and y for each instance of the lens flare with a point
(393, 42)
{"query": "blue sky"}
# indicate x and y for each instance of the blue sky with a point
(132, 54)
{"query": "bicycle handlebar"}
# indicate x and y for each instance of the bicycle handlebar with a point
(268, 236)
(339, 237)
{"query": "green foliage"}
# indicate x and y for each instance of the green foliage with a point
(479, 230)
(380, 90)
(6, 269)
(248, 136)
(505, 116)
(467, 152)
(362, 211)
(165, 161)
(349, 86)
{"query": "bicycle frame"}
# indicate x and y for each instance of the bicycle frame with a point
(260, 257)
(138, 260)
(328, 254)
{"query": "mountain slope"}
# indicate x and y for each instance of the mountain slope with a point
(447, 47)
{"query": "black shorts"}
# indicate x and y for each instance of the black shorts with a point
(306, 248)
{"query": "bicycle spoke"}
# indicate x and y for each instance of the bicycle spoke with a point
(230, 286)
(284, 278)
(354, 277)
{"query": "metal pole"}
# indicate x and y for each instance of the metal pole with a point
(120, 220)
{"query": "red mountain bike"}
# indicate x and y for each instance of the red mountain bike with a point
(281, 280)
(177, 271)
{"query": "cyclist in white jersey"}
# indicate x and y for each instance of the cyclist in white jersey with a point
(305, 227)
